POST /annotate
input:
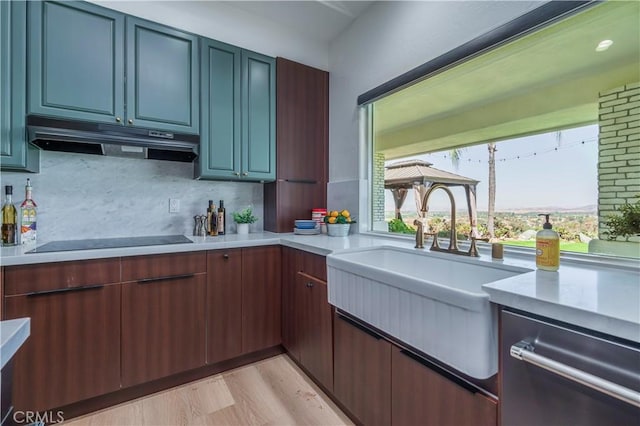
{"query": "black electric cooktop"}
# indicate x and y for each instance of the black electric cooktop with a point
(105, 243)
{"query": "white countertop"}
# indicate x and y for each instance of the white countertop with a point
(590, 294)
(13, 333)
(596, 298)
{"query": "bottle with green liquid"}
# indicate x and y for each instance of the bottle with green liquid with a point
(9, 219)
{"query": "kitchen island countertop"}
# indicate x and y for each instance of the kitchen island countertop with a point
(13, 333)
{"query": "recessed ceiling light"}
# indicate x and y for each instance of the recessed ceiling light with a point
(604, 45)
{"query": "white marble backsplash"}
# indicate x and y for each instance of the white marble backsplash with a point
(353, 196)
(88, 196)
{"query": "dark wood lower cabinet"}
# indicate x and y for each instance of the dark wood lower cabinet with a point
(362, 372)
(307, 330)
(422, 396)
(291, 297)
(92, 334)
(163, 327)
(73, 352)
(261, 298)
(224, 305)
(316, 331)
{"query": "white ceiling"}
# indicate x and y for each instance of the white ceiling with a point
(317, 19)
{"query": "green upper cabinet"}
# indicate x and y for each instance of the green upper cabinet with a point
(237, 138)
(258, 116)
(77, 58)
(220, 130)
(15, 152)
(76, 61)
(162, 77)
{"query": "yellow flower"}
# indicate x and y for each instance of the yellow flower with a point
(345, 213)
(332, 219)
(334, 214)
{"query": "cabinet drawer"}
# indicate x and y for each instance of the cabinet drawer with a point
(362, 372)
(421, 395)
(53, 276)
(163, 265)
(73, 352)
(163, 328)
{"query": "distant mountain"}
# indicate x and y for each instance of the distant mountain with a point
(591, 208)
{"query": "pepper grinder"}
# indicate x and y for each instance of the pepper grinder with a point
(199, 227)
(202, 231)
(196, 225)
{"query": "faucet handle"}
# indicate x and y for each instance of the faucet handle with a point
(486, 240)
(419, 234)
(473, 249)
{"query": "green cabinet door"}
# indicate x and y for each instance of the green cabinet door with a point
(15, 152)
(162, 77)
(76, 61)
(258, 117)
(220, 129)
(238, 134)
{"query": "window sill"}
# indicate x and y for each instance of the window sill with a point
(585, 259)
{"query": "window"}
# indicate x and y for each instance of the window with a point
(562, 117)
(552, 173)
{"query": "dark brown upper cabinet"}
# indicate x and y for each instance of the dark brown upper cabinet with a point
(302, 145)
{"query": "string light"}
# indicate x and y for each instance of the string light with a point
(529, 154)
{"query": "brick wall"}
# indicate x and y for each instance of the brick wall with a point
(377, 214)
(618, 151)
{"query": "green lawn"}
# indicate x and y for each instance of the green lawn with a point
(564, 246)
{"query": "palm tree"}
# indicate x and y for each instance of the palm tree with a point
(492, 189)
(455, 154)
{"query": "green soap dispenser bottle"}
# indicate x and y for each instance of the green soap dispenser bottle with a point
(547, 247)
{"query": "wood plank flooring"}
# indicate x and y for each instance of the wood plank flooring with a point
(270, 392)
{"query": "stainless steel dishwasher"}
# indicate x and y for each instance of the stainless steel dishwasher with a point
(555, 374)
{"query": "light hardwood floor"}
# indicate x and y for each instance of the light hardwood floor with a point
(270, 392)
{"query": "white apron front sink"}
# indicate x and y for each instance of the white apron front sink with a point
(431, 301)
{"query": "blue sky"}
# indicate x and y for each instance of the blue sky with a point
(566, 177)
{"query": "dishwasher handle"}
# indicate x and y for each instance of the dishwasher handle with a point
(524, 351)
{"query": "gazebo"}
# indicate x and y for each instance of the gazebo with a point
(402, 176)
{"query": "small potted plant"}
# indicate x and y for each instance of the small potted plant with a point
(242, 219)
(338, 223)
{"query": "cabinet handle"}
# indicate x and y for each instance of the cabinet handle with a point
(65, 290)
(225, 256)
(170, 277)
(309, 181)
(309, 284)
(236, 173)
(118, 119)
(524, 351)
(245, 174)
(130, 121)
(359, 327)
(441, 371)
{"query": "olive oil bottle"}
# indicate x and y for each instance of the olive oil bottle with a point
(212, 219)
(9, 219)
(221, 218)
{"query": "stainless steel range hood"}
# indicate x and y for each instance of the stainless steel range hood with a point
(109, 139)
